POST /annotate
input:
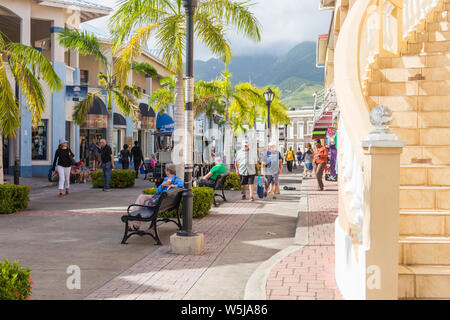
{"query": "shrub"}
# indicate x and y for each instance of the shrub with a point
(15, 282)
(203, 201)
(119, 179)
(232, 182)
(13, 198)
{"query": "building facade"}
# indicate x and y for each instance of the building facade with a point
(388, 62)
(299, 132)
(37, 23)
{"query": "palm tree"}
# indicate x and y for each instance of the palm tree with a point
(162, 98)
(26, 66)
(137, 19)
(123, 95)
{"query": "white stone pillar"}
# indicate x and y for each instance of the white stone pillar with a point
(149, 85)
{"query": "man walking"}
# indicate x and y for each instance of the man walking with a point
(289, 158)
(138, 157)
(272, 166)
(107, 158)
(245, 169)
(321, 159)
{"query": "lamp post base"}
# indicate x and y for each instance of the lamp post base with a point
(190, 245)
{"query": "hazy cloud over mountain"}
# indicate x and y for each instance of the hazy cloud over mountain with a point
(284, 22)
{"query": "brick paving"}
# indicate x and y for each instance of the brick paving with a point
(162, 275)
(308, 273)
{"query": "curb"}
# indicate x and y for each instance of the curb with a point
(256, 284)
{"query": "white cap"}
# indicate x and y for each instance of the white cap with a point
(245, 143)
(272, 144)
(218, 160)
(61, 141)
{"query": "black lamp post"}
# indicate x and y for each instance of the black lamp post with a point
(188, 195)
(269, 95)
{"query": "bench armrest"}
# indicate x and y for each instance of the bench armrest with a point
(140, 206)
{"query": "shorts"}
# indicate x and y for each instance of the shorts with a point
(271, 179)
(309, 166)
(245, 180)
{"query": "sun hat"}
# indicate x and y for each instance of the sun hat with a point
(61, 141)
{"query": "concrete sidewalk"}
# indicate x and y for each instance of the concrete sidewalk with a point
(84, 229)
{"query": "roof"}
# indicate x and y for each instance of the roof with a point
(88, 10)
(101, 34)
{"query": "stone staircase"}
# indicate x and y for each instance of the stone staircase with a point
(416, 87)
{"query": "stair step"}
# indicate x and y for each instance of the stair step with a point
(435, 155)
(436, 87)
(411, 74)
(423, 136)
(422, 61)
(424, 282)
(424, 223)
(424, 198)
(425, 175)
(438, 26)
(429, 250)
(432, 36)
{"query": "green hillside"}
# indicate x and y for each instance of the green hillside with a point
(295, 73)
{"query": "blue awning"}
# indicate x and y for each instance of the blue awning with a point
(164, 123)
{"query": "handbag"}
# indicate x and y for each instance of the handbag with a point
(53, 176)
(260, 188)
(142, 169)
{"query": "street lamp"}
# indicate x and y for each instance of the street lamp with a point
(188, 195)
(269, 95)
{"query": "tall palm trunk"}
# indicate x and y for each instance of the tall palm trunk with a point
(110, 124)
(1, 160)
(178, 152)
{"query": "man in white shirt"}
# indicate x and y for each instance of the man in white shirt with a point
(245, 165)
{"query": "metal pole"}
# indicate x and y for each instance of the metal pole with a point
(268, 122)
(188, 195)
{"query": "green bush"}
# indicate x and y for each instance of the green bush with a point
(13, 198)
(203, 201)
(15, 282)
(232, 182)
(119, 179)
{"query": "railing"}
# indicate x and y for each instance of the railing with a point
(386, 27)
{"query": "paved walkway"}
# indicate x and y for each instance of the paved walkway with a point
(308, 273)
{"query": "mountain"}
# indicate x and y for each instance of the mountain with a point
(295, 72)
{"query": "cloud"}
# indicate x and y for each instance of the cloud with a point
(285, 23)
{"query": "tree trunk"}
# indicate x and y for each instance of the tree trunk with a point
(1, 160)
(110, 123)
(178, 135)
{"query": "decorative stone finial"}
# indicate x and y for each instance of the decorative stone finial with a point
(380, 118)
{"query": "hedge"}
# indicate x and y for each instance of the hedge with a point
(119, 179)
(15, 282)
(13, 198)
(203, 201)
(233, 182)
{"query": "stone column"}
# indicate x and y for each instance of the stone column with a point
(381, 207)
(23, 151)
(58, 114)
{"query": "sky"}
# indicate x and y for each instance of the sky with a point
(285, 23)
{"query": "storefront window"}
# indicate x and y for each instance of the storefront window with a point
(116, 142)
(39, 141)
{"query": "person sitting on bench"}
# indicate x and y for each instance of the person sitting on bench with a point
(210, 179)
(170, 182)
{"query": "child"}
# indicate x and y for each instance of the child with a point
(84, 171)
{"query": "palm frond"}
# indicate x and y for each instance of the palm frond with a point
(234, 13)
(9, 110)
(126, 105)
(81, 109)
(132, 50)
(84, 42)
(212, 34)
(168, 82)
(161, 99)
(171, 38)
(144, 68)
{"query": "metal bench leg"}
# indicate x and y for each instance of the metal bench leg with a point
(155, 228)
(215, 203)
(125, 235)
(223, 195)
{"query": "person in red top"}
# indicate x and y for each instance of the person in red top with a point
(321, 159)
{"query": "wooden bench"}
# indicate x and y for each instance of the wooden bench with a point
(168, 201)
(220, 186)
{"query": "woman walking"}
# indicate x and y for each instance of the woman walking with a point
(63, 162)
(125, 156)
(308, 157)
